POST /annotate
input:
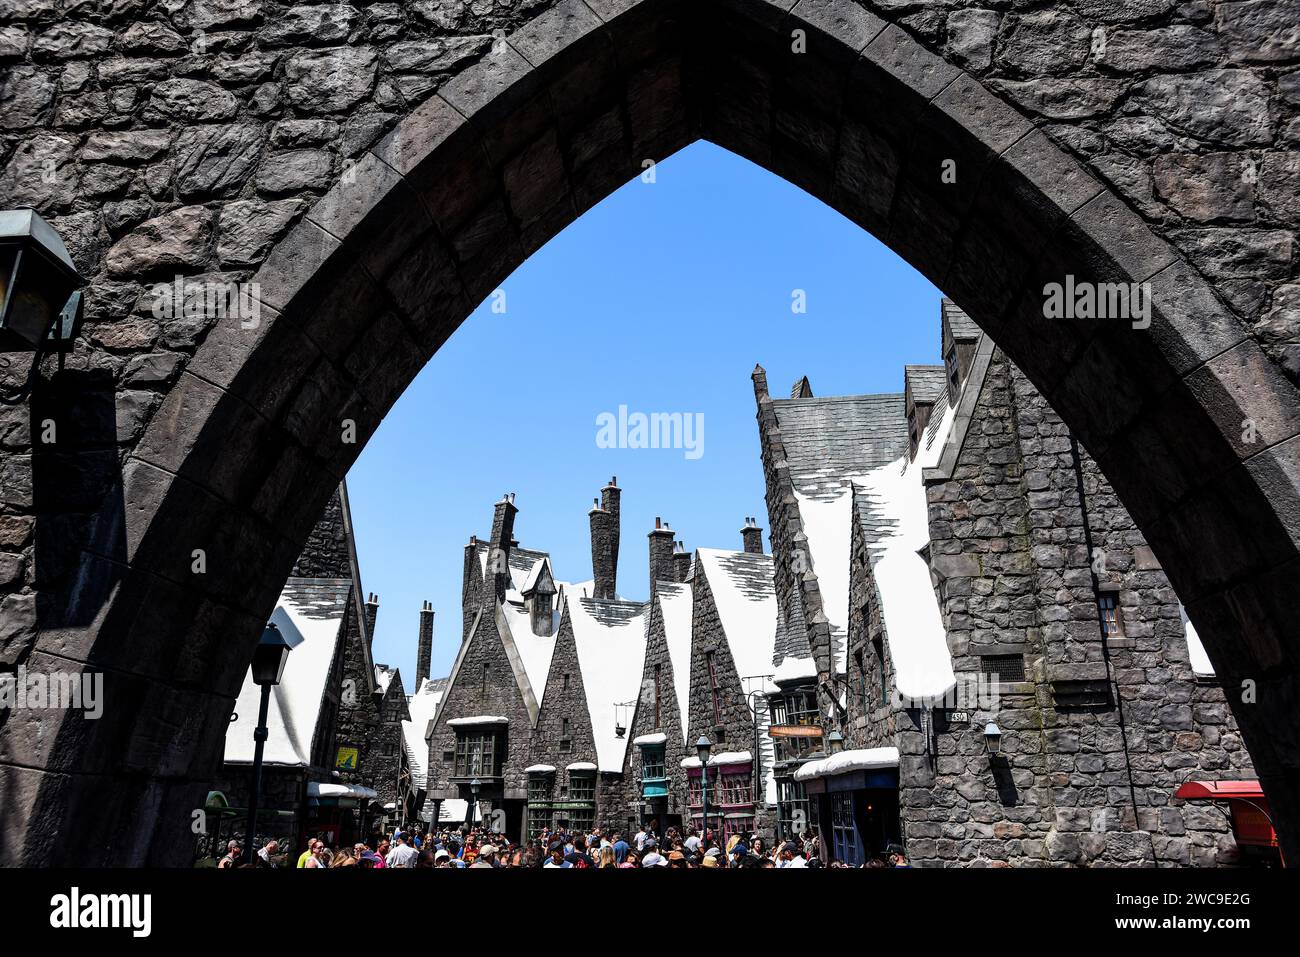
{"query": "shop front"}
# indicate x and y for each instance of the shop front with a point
(728, 791)
(340, 814)
(1248, 810)
(852, 803)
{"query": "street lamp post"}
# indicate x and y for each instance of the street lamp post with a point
(702, 748)
(474, 786)
(268, 668)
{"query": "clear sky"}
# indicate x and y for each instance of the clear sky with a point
(661, 299)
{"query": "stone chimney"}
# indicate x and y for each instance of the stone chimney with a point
(372, 612)
(752, 536)
(759, 375)
(681, 562)
(603, 557)
(503, 530)
(609, 501)
(662, 566)
(424, 654)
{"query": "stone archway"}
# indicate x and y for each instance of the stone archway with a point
(859, 108)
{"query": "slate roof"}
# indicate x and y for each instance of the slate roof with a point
(926, 382)
(422, 705)
(962, 326)
(831, 438)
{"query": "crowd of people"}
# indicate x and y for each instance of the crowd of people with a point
(555, 848)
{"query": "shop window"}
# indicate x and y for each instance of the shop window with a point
(796, 708)
(582, 787)
(735, 787)
(652, 764)
(477, 755)
(793, 816)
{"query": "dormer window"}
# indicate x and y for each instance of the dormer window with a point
(954, 374)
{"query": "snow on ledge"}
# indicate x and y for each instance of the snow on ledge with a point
(581, 766)
(649, 739)
(326, 789)
(866, 759)
(795, 669)
(726, 757)
(477, 719)
(540, 769)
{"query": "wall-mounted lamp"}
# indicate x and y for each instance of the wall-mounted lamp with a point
(992, 738)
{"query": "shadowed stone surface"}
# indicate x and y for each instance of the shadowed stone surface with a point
(139, 134)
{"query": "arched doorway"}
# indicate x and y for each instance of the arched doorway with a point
(248, 445)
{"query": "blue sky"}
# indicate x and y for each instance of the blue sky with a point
(661, 298)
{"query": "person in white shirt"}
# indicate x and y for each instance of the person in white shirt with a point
(402, 854)
(790, 856)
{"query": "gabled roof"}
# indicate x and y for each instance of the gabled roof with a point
(539, 578)
(961, 326)
(610, 638)
(422, 705)
(742, 587)
(926, 383)
(309, 614)
(675, 609)
(830, 438)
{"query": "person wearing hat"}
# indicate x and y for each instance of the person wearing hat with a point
(712, 858)
(487, 855)
(556, 856)
(790, 855)
(676, 859)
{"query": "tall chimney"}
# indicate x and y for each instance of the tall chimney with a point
(662, 568)
(425, 652)
(682, 562)
(372, 612)
(752, 536)
(609, 501)
(503, 529)
(602, 552)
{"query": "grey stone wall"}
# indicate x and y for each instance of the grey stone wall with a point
(670, 722)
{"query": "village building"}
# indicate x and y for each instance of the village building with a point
(333, 762)
(991, 665)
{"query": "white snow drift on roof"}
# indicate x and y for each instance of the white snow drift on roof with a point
(828, 525)
(477, 719)
(726, 757)
(1201, 666)
(328, 789)
(423, 705)
(580, 766)
(313, 634)
(540, 769)
(675, 606)
(535, 651)
(794, 669)
(918, 641)
(611, 654)
(866, 759)
(642, 740)
(748, 614)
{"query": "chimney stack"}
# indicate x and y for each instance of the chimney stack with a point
(503, 529)
(752, 536)
(425, 653)
(610, 497)
(372, 612)
(682, 562)
(662, 567)
(604, 559)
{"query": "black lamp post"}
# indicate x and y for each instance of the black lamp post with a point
(474, 786)
(702, 748)
(268, 668)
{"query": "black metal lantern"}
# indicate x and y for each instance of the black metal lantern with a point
(702, 748)
(270, 656)
(39, 306)
(835, 742)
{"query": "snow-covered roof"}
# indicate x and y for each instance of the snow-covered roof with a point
(540, 769)
(535, 651)
(866, 759)
(581, 766)
(1201, 666)
(675, 607)
(329, 789)
(309, 614)
(726, 757)
(893, 500)
(384, 677)
(650, 739)
(743, 591)
(830, 441)
(453, 810)
(610, 638)
(477, 719)
(539, 574)
(423, 705)
(795, 669)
